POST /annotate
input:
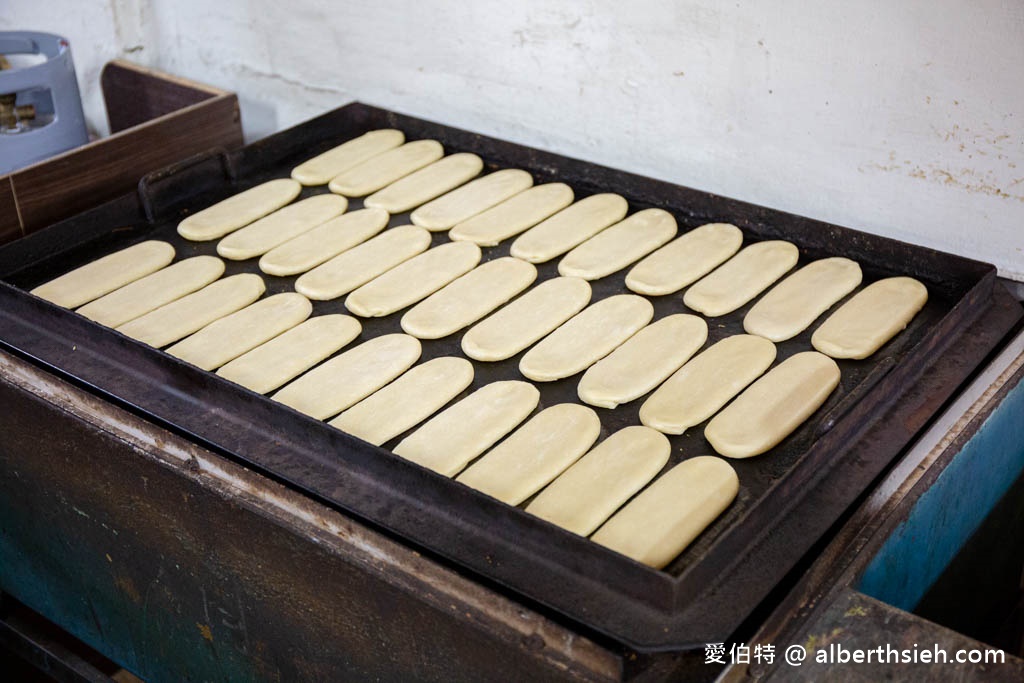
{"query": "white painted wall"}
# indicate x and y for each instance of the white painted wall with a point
(903, 118)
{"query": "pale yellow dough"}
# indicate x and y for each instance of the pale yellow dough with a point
(281, 226)
(106, 274)
(449, 441)
(467, 299)
(569, 227)
(741, 278)
(659, 523)
(324, 242)
(471, 199)
(346, 379)
(597, 485)
(685, 259)
(643, 361)
(615, 248)
(773, 406)
(535, 453)
(700, 388)
(239, 210)
(871, 318)
(380, 171)
(513, 215)
(407, 401)
(320, 169)
(586, 338)
(286, 356)
(427, 183)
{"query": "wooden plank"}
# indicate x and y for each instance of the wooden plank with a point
(10, 222)
(134, 95)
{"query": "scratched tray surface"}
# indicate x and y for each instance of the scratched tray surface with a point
(703, 594)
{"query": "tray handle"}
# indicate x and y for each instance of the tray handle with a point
(169, 185)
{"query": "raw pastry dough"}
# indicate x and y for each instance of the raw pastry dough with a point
(465, 300)
(535, 453)
(586, 338)
(323, 242)
(587, 494)
(659, 523)
(449, 441)
(320, 169)
(407, 401)
(871, 318)
(471, 199)
(416, 279)
(700, 388)
(615, 248)
(741, 278)
(427, 183)
(192, 312)
(773, 406)
(106, 274)
(643, 361)
(286, 356)
(238, 210)
(513, 215)
(344, 380)
(362, 263)
(382, 170)
(569, 227)
(530, 317)
(281, 226)
(685, 260)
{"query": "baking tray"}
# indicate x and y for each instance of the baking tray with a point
(788, 497)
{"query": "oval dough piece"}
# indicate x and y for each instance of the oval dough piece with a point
(773, 406)
(449, 441)
(597, 485)
(530, 317)
(535, 453)
(416, 279)
(613, 249)
(871, 318)
(741, 278)
(659, 523)
(427, 183)
(106, 274)
(569, 227)
(643, 361)
(286, 356)
(281, 226)
(471, 199)
(239, 210)
(586, 338)
(467, 299)
(796, 302)
(361, 264)
(320, 169)
(700, 388)
(685, 259)
(513, 215)
(346, 379)
(323, 242)
(154, 290)
(380, 171)
(192, 312)
(407, 401)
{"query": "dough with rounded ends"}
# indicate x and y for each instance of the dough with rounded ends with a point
(427, 183)
(570, 226)
(320, 169)
(361, 264)
(597, 485)
(513, 215)
(586, 338)
(324, 242)
(413, 280)
(616, 247)
(643, 361)
(348, 378)
(192, 312)
(663, 520)
(535, 453)
(450, 440)
(288, 355)
(104, 275)
(407, 401)
(685, 259)
(281, 226)
(773, 406)
(741, 278)
(471, 199)
(467, 299)
(380, 171)
(700, 388)
(238, 210)
(872, 317)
